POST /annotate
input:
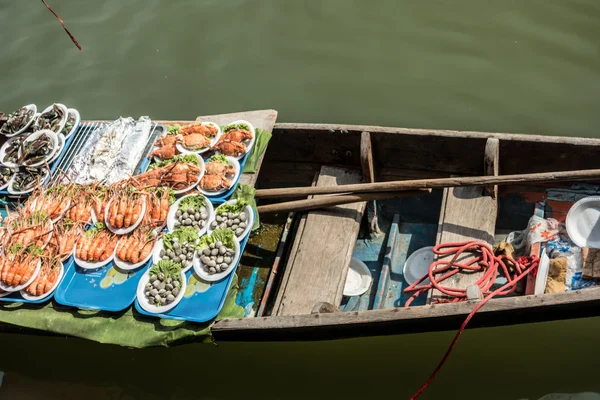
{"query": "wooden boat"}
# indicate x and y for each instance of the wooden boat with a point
(310, 262)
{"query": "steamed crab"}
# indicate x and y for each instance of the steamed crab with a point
(206, 130)
(214, 183)
(165, 147)
(194, 141)
(236, 135)
(218, 168)
(230, 148)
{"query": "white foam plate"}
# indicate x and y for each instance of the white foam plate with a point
(358, 279)
(90, 265)
(55, 145)
(232, 178)
(249, 220)
(33, 118)
(7, 288)
(199, 266)
(63, 121)
(74, 112)
(158, 246)
(417, 265)
(583, 222)
(175, 206)
(249, 142)
(127, 266)
(14, 192)
(123, 231)
(184, 150)
(27, 296)
(152, 308)
(3, 152)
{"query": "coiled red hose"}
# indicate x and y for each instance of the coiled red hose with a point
(481, 259)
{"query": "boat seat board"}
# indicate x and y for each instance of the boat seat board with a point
(317, 271)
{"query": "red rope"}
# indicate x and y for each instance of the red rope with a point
(63, 25)
(484, 261)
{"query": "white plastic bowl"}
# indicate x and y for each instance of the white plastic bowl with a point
(583, 222)
(232, 178)
(152, 308)
(55, 146)
(417, 265)
(184, 150)
(249, 142)
(358, 279)
(64, 117)
(249, 220)
(27, 296)
(61, 146)
(14, 192)
(7, 288)
(158, 246)
(3, 152)
(29, 122)
(123, 231)
(199, 266)
(173, 210)
(74, 112)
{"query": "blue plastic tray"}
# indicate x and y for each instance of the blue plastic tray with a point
(56, 162)
(106, 288)
(202, 300)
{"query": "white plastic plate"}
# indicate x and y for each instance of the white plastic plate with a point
(7, 288)
(583, 222)
(158, 246)
(249, 142)
(61, 145)
(55, 146)
(127, 266)
(63, 120)
(417, 265)
(232, 178)
(175, 206)
(184, 150)
(249, 220)
(123, 231)
(14, 192)
(358, 279)
(27, 296)
(199, 266)
(3, 152)
(90, 265)
(152, 308)
(74, 112)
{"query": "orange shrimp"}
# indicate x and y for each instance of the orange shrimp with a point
(110, 248)
(122, 247)
(133, 248)
(164, 205)
(146, 249)
(100, 244)
(122, 207)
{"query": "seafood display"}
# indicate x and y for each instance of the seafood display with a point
(233, 217)
(54, 201)
(28, 178)
(65, 236)
(179, 246)
(28, 228)
(198, 136)
(10, 155)
(192, 211)
(110, 153)
(164, 284)
(18, 120)
(49, 274)
(96, 245)
(158, 201)
(37, 148)
(217, 251)
(136, 246)
(230, 148)
(125, 208)
(166, 148)
(217, 169)
(52, 118)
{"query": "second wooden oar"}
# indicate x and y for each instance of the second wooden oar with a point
(329, 201)
(397, 186)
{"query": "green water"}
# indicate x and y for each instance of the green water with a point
(530, 66)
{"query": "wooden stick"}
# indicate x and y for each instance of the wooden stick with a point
(397, 186)
(329, 201)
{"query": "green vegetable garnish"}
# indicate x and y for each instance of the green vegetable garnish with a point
(234, 208)
(167, 267)
(15, 248)
(224, 236)
(194, 202)
(235, 126)
(219, 158)
(32, 249)
(187, 158)
(95, 229)
(185, 234)
(173, 129)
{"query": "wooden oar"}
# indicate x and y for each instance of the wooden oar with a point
(329, 201)
(398, 186)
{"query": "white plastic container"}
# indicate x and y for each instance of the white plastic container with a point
(199, 266)
(152, 308)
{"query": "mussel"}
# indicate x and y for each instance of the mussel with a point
(50, 119)
(11, 154)
(27, 178)
(69, 124)
(35, 150)
(5, 175)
